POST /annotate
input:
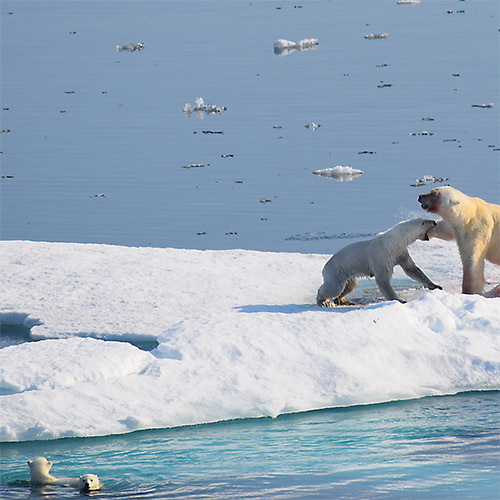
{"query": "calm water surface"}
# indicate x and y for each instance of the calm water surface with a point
(443, 447)
(86, 120)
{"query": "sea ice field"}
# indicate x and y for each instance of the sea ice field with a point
(174, 176)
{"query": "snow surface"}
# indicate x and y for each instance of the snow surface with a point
(239, 336)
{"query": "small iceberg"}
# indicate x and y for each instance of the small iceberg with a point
(131, 47)
(377, 36)
(428, 179)
(201, 108)
(339, 173)
(284, 47)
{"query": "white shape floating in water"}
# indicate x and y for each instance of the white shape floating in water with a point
(201, 108)
(408, 2)
(377, 36)
(428, 179)
(131, 47)
(284, 47)
(339, 173)
(261, 350)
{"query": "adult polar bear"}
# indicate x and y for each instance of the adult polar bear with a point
(375, 257)
(474, 224)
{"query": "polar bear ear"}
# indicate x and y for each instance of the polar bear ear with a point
(30, 462)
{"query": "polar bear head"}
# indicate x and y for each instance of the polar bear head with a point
(89, 482)
(40, 470)
(414, 229)
(440, 200)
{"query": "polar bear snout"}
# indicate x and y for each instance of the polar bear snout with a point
(429, 201)
(89, 482)
(427, 225)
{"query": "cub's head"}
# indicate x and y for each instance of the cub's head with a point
(440, 200)
(39, 468)
(89, 482)
(423, 227)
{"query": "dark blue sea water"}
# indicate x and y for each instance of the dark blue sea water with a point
(439, 447)
(92, 150)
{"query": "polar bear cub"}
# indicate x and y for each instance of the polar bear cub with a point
(40, 474)
(375, 257)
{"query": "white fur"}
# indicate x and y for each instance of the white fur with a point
(89, 482)
(375, 257)
(474, 224)
(40, 475)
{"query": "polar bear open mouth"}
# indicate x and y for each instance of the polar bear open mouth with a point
(426, 235)
(427, 201)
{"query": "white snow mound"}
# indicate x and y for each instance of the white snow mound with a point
(239, 336)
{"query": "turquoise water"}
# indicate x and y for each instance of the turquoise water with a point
(439, 447)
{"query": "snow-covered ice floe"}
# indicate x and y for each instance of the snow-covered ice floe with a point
(239, 336)
(339, 173)
(284, 47)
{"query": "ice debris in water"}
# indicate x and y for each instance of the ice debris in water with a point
(428, 179)
(284, 47)
(374, 36)
(314, 126)
(194, 165)
(339, 173)
(131, 47)
(408, 2)
(200, 107)
(489, 105)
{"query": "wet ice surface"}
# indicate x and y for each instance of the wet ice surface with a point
(96, 140)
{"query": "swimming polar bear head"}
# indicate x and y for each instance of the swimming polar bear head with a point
(40, 471)
(89, 482)
(440, 200)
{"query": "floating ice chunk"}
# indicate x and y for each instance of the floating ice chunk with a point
(314, 126)
(375, 36)
(307, 43)
(489, 105)
(428, 179)
(408, 2)
(201, 108)
(131, 47)
(283, 44)
(194, 165)
(340, 173)
(424, 132)
(284, 47)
